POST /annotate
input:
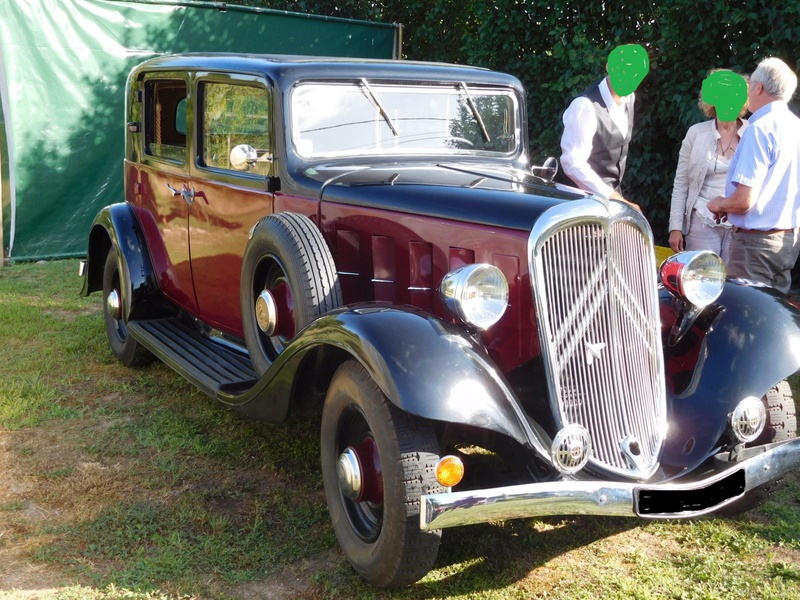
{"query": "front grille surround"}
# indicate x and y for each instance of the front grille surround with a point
(596, 293)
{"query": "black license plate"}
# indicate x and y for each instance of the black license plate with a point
(675, 502)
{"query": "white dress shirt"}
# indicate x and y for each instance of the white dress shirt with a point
(767, 161)
(580, 125)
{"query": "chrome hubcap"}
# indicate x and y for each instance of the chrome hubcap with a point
(348, 472)
(266, 313)
(113, 305)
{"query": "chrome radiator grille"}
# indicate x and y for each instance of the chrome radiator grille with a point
(596, 292)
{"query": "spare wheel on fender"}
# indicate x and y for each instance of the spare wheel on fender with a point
(288, 280)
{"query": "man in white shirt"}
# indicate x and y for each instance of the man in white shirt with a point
(762, 199)
(598, 125)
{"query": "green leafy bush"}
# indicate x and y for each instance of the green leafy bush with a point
(558, 48)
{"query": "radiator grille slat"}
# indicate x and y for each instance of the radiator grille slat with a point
(600, 324)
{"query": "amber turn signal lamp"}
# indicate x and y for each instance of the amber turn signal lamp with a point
(449, 471)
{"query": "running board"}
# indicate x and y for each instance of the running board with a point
(210, 365)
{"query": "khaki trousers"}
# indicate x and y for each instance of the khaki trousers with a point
(767, 258)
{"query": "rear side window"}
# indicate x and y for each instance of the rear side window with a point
(165, 119)
(236, 128)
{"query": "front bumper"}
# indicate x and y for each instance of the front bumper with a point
(727, 482)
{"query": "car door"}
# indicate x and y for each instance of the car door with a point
(155, 181)
(234, 160)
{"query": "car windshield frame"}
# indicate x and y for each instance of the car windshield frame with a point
(363, 117)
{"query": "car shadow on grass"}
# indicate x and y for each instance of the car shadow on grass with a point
(492, 556)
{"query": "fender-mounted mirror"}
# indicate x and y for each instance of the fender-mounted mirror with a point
(547, 170)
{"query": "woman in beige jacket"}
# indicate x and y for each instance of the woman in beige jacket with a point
(702, 170)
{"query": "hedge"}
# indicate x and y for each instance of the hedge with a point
(557, 48)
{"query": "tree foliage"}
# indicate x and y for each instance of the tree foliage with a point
(557, 48)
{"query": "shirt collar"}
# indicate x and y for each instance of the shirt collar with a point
(605, 92)
(739, 131)
(768, 108)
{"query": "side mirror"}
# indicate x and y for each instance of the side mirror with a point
(547, 170)
(243, 157)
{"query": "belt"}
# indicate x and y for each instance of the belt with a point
(762, 231)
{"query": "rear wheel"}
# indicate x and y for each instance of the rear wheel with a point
(376, 463)
(125, 348)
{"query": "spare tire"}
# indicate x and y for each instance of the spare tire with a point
(288, 280)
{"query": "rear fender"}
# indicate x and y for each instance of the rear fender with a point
(116, 226)
(740, 346)
(425, 367)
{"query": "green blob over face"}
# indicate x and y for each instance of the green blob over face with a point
(726, 91)
(627, 67)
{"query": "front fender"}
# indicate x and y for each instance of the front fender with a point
(743, 344)
(116, 226)
(423, 365)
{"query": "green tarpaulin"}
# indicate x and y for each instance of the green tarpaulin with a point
(63, 67)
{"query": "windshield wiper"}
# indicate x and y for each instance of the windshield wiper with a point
(475, 112)
(382, 110)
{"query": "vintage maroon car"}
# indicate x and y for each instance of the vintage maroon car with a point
(483, 344)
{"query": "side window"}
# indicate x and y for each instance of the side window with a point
(165, 121)
(236, 128)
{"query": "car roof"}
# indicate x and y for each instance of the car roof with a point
(290, 68)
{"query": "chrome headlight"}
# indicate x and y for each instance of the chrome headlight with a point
(697, 276)
(477, 294)
(748, 419)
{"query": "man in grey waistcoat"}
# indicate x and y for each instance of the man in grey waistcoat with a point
(598, 125)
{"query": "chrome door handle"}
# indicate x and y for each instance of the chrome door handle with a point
(186, 193)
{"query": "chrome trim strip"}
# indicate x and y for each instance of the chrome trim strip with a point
(606, 498)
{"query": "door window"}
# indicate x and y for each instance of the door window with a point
(236, 128)
(165, 121)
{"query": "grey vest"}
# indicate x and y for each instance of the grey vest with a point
(609, 145)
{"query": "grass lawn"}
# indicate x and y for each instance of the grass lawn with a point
(128, 483)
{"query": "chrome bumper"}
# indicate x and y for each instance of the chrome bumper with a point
(729, 481)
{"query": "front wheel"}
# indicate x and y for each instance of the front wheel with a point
(376, 463)
(781, 414)
(781, 426)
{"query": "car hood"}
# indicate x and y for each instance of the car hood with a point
(479, 193)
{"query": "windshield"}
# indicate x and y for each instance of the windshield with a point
(363, 117)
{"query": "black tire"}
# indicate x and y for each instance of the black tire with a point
(125, 348)
(381, 540)
(286, 248)
(781, 415)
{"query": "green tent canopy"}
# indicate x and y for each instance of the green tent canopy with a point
(63, 68)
